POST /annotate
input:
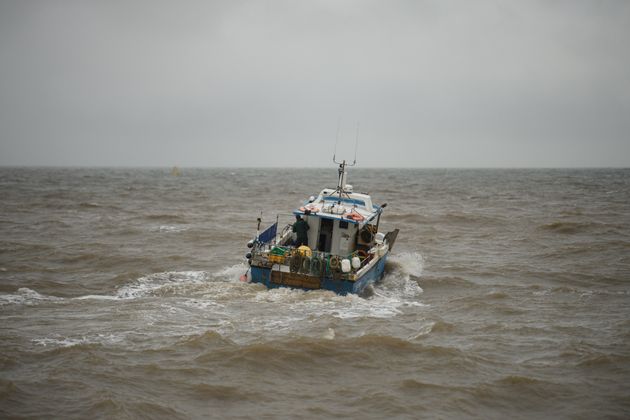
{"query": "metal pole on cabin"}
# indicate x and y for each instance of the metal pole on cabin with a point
(380, 211)
(342, 180)
(258, 227)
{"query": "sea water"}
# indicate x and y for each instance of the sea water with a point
(507, 295)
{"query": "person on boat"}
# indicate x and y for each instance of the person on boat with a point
(300, 227)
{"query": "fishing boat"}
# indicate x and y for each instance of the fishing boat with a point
(341, 248)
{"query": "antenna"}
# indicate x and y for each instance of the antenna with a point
(341, 183)
(356, 146)
(337, 139)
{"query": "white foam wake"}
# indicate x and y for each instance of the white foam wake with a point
(177, 281)
(401, 278)
(160, 283)
(156, 284)
(25, 296)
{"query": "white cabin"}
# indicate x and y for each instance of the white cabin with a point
(340, 222)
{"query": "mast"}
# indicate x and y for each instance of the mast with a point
(341, 182)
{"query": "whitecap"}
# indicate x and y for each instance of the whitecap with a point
(57, 341)
(96, 297)
(329, 335)
(171, 228)
(410, 263)
(26, 296)
(231, 273)
(151, 284)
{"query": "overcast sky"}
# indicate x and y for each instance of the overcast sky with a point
(264, 83)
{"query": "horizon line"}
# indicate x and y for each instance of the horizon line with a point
(298, 167)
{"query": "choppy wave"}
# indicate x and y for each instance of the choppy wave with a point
(171, 228)
(565, 227)
(161, 283)
(57, 341)
(89, 205)
(26, 296)
(572, 227)
(222, 293)
(157, 284)
(173, 218)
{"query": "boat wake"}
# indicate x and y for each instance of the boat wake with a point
(180, 303)
(402, 274)
(25, 296)
(400, 283)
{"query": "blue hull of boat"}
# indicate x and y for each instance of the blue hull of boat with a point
(263, 275)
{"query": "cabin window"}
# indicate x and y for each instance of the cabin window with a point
(343, 224)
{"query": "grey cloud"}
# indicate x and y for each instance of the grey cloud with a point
(243, 83)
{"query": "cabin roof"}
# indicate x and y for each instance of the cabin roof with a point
(352, 207)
